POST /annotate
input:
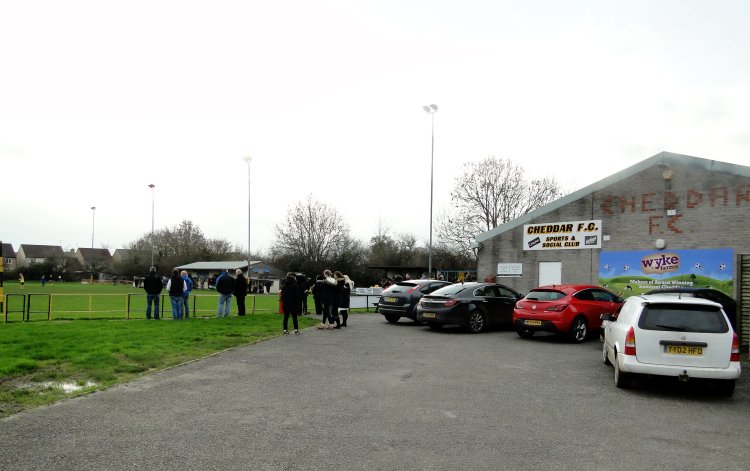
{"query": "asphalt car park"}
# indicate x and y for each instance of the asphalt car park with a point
(389, 396)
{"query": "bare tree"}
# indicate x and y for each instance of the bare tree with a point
(313, 232)
(490, 193)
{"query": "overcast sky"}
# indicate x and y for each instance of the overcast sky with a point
(99, 99)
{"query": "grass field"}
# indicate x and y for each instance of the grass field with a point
(42, 362)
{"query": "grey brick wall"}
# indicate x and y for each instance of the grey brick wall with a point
(712, 211)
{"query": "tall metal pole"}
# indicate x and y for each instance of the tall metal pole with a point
(248, 159)
(91, 261)
(152, 222)
(431, 110)
(93, 214)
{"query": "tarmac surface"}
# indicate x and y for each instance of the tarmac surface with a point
(376, 396)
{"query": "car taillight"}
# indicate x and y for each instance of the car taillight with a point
(557, 308)
(630, 342)
(412, 289)
(735, 355)
(450, 302)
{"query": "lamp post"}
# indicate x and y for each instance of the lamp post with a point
(91, 262)
(248, 159)
(151, 185)
(431, 110)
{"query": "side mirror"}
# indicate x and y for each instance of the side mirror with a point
(607, 317)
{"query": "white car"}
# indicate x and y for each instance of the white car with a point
(672, 336)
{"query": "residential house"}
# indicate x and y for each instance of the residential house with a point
(100, 259)
(29, 254)
(9, 257)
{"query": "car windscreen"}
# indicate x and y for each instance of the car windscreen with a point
(683, 318)
(400, 287)
(544, 295)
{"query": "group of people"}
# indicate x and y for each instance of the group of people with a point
(179, 287)
(330, 293)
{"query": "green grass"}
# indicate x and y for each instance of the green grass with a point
(36, 357)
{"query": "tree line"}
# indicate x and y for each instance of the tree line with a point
(313, 235)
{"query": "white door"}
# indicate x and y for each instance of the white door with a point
(550, 273)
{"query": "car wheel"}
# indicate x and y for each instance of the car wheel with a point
(724, 387)
(477, 321)
(605, 358)
(622, 379)
(525, 333)
(434, 326)
(392, 318)
(579, 330)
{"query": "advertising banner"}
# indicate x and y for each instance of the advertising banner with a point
(636, 272)
(574, 235)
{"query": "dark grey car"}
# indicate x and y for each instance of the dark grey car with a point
(401, 298)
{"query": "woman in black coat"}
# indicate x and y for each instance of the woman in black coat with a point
(290, 301)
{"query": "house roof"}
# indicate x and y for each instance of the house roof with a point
(41, 251)
(7, 251)
(94, 254)
(662, 158)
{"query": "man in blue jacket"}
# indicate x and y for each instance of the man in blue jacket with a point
(225, 287)
(186, 294)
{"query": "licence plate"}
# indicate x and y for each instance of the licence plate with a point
(428, 315)
(391, 300)
(532, 322)
(683, 350)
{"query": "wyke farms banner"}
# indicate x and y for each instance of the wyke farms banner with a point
(639, 271)
(563, 235)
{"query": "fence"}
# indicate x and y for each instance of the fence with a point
(48, 306)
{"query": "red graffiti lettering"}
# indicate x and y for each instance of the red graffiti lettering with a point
(647, 203)
(743, 195)
(624, 203)
(672, 224)
(694, 199)
(720, 193)
(671, 200)
(653, 223)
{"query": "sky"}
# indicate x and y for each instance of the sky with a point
(100, 99)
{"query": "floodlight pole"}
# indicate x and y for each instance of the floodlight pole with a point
(91, 261)
(431, 110)
(248, 159)
(152, 222)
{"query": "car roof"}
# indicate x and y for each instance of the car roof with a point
(686, 289)
(667, 299)
(567, 288)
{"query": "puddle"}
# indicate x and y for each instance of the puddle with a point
(67, 387)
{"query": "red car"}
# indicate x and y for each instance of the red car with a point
(571, 310)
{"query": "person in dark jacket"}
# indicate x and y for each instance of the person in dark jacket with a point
(240, 291)
(176, 287)
(303, 287)
(225, 287)
(290, 301)
(330, 315)
(152, 285)
(317, 292)
(345, 285)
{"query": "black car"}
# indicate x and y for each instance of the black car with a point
(729, 304)
(475, 306)
(400, 299)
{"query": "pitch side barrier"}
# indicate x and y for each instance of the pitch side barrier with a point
(48, 306)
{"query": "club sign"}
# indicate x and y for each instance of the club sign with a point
(573, 235)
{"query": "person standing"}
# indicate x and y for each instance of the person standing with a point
(152, 285)
(330, 317)
(345, 297)
(317, 293)
(186, 295)
(225, 287)
(21, 280)
(240, 291)
(176, 288)
(303, 287)
(290, 301)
